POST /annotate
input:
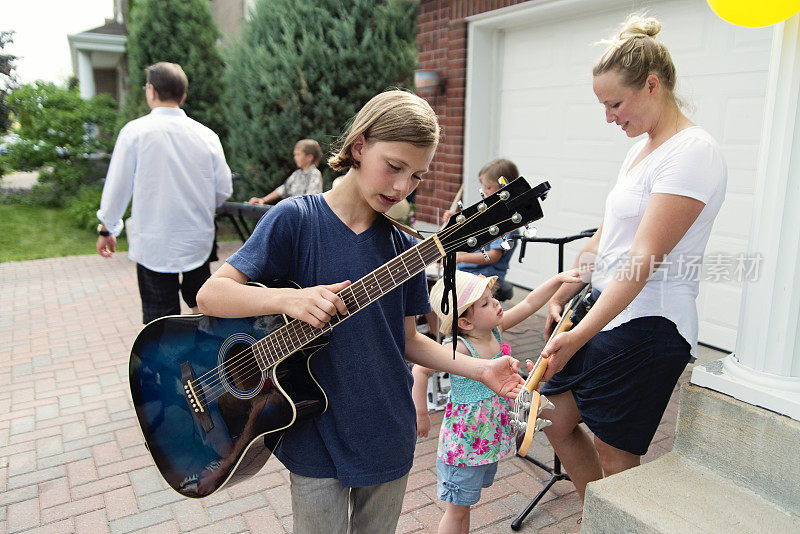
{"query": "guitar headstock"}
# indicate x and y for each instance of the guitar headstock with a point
(509, 208)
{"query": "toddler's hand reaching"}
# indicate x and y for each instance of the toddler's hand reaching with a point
(446, 216)
(576, 275)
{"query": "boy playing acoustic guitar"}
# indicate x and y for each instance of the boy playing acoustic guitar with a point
(358, 453)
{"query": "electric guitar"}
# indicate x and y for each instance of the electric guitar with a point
(529, 403)
(213, 397)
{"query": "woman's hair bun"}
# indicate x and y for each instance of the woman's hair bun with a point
(637, 25)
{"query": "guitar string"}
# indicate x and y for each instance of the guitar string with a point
(246, 354)
(247, 357)
(212, 387)
(249, 351)
(290, 325)
(358, 291)
(358, 294)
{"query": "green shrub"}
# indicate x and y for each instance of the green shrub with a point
(81, 210)
(302, 69)
(63, 135)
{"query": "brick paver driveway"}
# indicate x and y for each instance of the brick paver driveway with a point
(72, 457)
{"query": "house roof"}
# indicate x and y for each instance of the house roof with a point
(111, 27)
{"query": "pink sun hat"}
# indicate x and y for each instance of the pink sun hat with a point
(469, 288)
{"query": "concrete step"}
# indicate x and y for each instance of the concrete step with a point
(754, 447)
(676, 494)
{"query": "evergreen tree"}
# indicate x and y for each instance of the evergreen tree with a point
(302, 69)
(183, 32)
(7, 79)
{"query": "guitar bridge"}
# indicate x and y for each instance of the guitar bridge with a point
(194, 400)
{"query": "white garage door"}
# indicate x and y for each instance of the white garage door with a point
(529, 98)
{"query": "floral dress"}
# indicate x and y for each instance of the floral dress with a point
(476, 429)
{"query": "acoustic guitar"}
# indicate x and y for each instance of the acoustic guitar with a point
(529, 403)
(213, 397)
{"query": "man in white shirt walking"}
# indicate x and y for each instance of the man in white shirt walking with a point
(175, 170)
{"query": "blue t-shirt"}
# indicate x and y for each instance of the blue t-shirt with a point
(368, 433)
(498, 269)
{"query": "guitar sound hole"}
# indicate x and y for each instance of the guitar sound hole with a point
(241, 368)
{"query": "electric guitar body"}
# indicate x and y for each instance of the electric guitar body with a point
(529, 403)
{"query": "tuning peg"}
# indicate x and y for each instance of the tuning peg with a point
(529, 232)
(542, 423)
(483, 195)
(485, 255)
(545, 404)
(502, 181)
(460, 205)
(505, 245)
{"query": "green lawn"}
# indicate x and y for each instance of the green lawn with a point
(29, 233)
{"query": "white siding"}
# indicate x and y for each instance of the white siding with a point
(546, 119)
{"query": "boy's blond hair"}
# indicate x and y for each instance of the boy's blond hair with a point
(389, 116)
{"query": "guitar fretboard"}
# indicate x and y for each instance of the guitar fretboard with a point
(296, 334)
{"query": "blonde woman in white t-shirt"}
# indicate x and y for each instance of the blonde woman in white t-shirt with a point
(616, 369)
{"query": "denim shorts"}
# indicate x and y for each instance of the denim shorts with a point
(622, 380)
(462, 484)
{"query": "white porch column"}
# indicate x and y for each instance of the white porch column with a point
(85, 74)
(765, 368)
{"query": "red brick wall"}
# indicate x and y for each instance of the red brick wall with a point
(442, 43)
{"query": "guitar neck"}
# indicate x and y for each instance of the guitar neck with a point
(296, 334)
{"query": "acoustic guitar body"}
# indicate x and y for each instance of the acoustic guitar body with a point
(242, 412)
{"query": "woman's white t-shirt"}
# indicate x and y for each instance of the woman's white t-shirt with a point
(689, 164)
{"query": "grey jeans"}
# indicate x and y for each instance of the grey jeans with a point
(324, 505)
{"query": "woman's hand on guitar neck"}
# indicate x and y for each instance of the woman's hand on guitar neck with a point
(315, 305)
(560, 349)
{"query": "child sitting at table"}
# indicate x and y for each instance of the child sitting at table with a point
(306, 180)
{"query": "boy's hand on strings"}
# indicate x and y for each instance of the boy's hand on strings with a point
(316, 305)
(500, 375)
